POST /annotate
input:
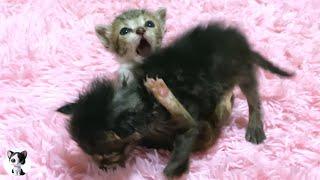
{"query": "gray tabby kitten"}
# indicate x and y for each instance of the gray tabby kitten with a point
(132, 36)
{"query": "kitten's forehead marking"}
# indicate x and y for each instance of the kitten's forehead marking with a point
(131, 14)
(15, 156)
(137, 22)
(134, 18)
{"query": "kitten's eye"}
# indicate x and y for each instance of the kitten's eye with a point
(149, 24)
(125, 31)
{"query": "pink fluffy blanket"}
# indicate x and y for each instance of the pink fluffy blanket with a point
(49, 52)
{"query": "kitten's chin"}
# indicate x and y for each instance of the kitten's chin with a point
(144, 48)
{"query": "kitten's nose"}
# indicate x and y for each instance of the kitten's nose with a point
(140, 30)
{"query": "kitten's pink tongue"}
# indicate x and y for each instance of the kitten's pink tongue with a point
(144, 48)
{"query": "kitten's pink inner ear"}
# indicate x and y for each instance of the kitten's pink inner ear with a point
(24, 153)
(9, 153)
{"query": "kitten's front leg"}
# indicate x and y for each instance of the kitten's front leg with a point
(223, 109)
(165, 97)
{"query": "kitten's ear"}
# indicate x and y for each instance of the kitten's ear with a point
(24, 153)
(9, 153)
(104, 33)
(161, 14)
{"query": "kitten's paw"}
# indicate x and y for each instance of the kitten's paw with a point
(101, 161)
(255, 135)
(157, 87)
(175, 169)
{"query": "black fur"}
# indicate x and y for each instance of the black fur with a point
(198, 68)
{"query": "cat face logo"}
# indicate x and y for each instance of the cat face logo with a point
(17, 160)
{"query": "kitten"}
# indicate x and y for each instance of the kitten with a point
(132, 36)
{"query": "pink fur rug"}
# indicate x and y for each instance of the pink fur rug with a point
(49, 52)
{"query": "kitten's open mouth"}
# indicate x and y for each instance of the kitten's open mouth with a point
(144, 48)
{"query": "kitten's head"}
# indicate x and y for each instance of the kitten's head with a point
(134, 34)
(17, 158)
(102, 122)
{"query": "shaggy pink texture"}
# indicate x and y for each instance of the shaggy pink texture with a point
(49, 52)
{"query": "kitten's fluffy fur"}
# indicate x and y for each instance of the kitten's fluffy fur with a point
(140, 40)
(199, 68)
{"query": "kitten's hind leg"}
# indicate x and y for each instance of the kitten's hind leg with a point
(183, 146)
(224, 108)
(254, 132)
(184, 143)
(165, 97)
